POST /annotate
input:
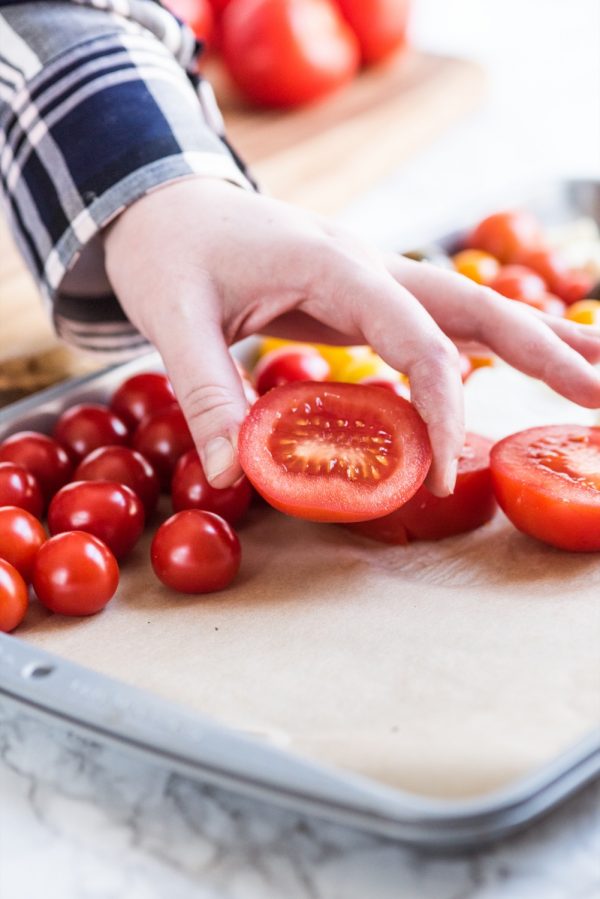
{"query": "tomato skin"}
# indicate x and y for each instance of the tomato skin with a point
(191, 490)
(333, 482)
(286, 365)
(476, 265)
(569, 285)
(197, 14)
(75, 574)
(162, 438)
(40, 455)
(283, 53)
(18, 487)
(517, 282)
(380, 25)
(14, 598)
(142, 395)
(535, 478)
(122, 465)
(195, 552)
(21, 535)
(429, 517)
(111, 512)
(86, 426)
(506, 235)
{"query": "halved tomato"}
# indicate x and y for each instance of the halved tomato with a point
(429, 517)
(334, 452)
(547, 481)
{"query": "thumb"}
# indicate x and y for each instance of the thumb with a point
(209, 390)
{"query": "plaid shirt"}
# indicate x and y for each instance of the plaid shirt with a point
(99, 104)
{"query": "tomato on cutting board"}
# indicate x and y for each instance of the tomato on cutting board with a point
(547, 481)
(429, 517)
(334, 452)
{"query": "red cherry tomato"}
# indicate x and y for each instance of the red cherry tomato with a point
(569, 285)
(429, 517)
(218, 6)
(40, 455)
(287, 52)
(14, 598)
(87, 426)
(506, 235)
(122, 466)
(75, 574)
(197, 14)
(19, 488)
(142, 395)
(191, 490)
(380, 25)
(334, 452)
(547, 481)
(109, 511)
(21, 536)
(162, 438)
(520, 283)
(287, 364)
(195, 552)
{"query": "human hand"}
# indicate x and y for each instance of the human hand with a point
(200, 264)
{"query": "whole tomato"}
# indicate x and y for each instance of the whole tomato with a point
(380, 25)
(191, 490)
(109, 511)
(567, 283)
(142, 395)
(42, 456)
(123, 466)
(517, 282)
(162, 438)
(86, 426)
(18, 487)
(13, 597)
(287, 52)
(21, 536)
(506, 235)
(75, 574)
(197, 14)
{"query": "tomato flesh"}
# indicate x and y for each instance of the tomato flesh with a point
(429, 517)
(547, 481)
(334, 452)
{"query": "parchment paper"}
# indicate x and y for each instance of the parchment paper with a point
(447, 668)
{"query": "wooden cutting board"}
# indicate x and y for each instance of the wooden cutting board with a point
(320, 157)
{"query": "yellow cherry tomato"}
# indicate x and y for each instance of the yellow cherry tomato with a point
(480, 361)
(371, 366)
(268, 344)
(585, 312)
(476, 265)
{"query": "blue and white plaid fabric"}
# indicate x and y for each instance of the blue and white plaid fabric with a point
(99, 104)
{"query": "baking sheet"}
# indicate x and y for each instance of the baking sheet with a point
(448, 669)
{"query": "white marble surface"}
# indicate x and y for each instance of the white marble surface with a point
(78, 821)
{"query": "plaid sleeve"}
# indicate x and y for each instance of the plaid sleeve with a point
(98, 106)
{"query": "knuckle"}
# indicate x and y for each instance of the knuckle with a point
(209, 406)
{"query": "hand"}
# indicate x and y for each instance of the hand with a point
(200, 264)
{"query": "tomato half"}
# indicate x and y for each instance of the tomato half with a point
(21, 536)
(506, 235)
(429, 517)
(14, 598)
(141, 395)
(18, 487)
(380, 25)
(191, 490)
(287, 52)
(162, 437)
(334, 452)
(123, 466)
(547, 481)
(75, 574)
(39, 454)
(86, 426)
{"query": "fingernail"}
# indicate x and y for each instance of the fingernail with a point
(450, 479)
(217, 456)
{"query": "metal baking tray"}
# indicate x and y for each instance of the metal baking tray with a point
(108, 710)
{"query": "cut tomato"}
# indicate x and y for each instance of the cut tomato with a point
(429, 517)
(547, 481)
(334, 452)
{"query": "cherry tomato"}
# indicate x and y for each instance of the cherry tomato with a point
(14, 598)
(575, 286)
(87, 426)
(585, 312)
(21, 536)
(195, 552)
(547, 481)
(380, 25)
(123, 466)
(19, 488)
(109, 511)
(162, 438)
(75, 574)
(569, 285)
(287, 52)
(359, 368)
(476, 265)
(191, 490)
(506, 235)
(142, 395)
(218, 6)
(285, 365)
(429, 517)
(334, 452)
(551, 304)
(42, 456)
(197, 14)
(520, 283)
